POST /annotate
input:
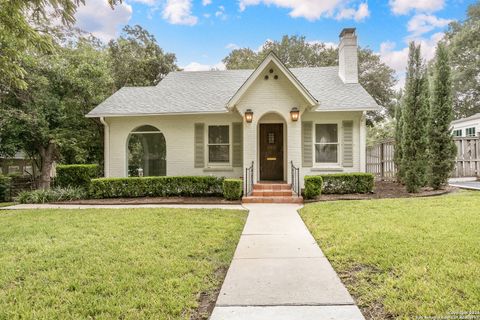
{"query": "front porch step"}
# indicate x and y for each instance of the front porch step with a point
(272, 192)
(272, 186)
(277, 199)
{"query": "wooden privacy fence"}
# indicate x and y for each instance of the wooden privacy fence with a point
(380, 161)
(467, 163)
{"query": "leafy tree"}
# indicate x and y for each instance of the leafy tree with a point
(375, 76)
(22, 28)
(463, 42)
(442, 149)
(381, 132)
(415, 118)
(47, 120)
(138, 60)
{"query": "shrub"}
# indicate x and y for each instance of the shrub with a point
(200, 186)
(343, 183)
(232, 189)
(76, 175)
(313, 186)
(52, 195)
(4, 188)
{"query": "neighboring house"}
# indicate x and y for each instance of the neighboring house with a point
(220, 122)
(466, 127)
(19, 165)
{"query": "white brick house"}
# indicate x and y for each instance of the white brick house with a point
(466, 127)
(198, 123)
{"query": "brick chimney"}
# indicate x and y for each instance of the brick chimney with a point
(347, 56)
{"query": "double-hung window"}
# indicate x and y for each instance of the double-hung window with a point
(470, 132)
(219, 144)
(457, 133)
(326, 143)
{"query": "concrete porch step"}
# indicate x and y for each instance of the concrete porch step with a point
(272, 186)
(272, 199)
(272, 193)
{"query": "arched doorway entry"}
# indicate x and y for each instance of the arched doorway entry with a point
(147, 152)
(271, 146)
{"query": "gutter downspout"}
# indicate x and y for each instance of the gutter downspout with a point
(106, 148)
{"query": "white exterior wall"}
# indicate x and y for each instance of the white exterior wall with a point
(179, 137)
(271, 102)
(359, 142)
(462, 125)
(272, 96)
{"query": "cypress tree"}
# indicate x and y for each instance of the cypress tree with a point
(398, 155)
(415, 121)
(442, 149)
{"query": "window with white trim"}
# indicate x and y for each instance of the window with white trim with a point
(219, 144)
(326, 143)
(457, 133)
(470, 132)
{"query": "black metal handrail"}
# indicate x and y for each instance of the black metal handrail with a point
(248, 180)
(295, 179)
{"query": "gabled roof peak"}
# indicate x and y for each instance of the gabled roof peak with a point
(271, 57)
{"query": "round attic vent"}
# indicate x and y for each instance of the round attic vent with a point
(266, 77)
(271, 70)
(275, 77)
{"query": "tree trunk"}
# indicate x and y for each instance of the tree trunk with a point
(47, 157)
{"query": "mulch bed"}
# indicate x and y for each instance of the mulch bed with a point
(153, 200)
(384, 190)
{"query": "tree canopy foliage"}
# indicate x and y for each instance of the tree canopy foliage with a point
(376, 77)
(463, 42)
(23, 28)
(45, 117)
(137, 59)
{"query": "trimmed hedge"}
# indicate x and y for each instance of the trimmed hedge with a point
(131, 187)
(76, 175)
(5, 183)
(232, 189)
(344, 183)
(313, 186)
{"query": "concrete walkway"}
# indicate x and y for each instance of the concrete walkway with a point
(279, 272)
(123, 206)
(471, 185)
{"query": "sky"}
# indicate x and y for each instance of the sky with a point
(202, 32)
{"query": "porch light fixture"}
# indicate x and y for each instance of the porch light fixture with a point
(248, 115)
(294, 113)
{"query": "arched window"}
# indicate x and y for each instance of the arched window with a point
(147, 152)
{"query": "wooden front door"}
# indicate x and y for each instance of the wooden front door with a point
(271, 151)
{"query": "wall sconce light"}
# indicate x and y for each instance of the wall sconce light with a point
(248, 115)
(294, 113)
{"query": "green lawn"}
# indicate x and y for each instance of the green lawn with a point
(112, 264)
(403, 258)
(6, 204)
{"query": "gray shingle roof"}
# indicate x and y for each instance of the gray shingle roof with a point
(474, 117)
(209, 91)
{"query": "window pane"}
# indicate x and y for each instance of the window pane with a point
(218, 134)
(147, 154)
(218, 153)
(326, 133)
(326, 153)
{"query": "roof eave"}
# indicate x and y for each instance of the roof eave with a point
(112, 115)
